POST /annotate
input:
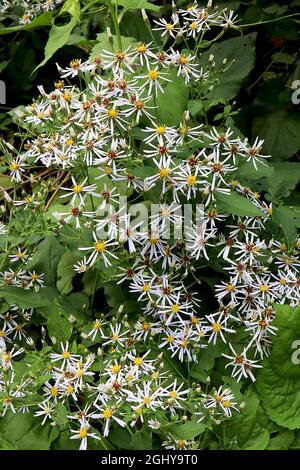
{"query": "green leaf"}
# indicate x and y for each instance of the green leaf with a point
(280, 130)
(58, 326)
(288, 219)
(5, 445)
(188, 430)
(248, 171)
(285, 178)
(245, 427)
(239, 51)
(27, 298)
(282, 441)
(141, 440)
(61, 416)
(173, 102)
(278, 383)
(46, 258)
(120, 438)
(39, 22)
(206, 360)
(136, 5)
(65, 272)
(26, 432)
(113, 294)
(143, 172)
(92, 281)
(104, 44)
(236, 204)
(195, 107)
(59, 35)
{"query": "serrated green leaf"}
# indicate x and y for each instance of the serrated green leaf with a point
(27, 298)
(65, 272)
(288, 219)
(248, 171)
(46, 258)
(278, 382)
(188, 430)
(59, 35)
(240, 52)
(236, 204)
(173, 101)
(282, 441)
(136, 5)
(26, 432)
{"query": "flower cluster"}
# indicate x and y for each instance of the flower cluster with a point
(26, 10)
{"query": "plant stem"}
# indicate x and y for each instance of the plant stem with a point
(114, 18)
(268, 21)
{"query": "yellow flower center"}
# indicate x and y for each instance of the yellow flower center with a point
(164, 172)
(112, 113)
(67, 96)
(115, 368)
(173, 394)
(227, 403)
(153, 74)
(77, 188)
(175, 308)
(96, 325)
(216, 327)
(160, 130)
(83, 433)
(145, 288)
(120, 55)
(100, 247)
(14, 166)
(54, 391)
(191, 180)
(66, 354)
(264, 288)
(230, 287)
(147, 400)
(165, 213)
(107, 413)
(138, 361)
(169, 26)
(108, 170)
(182, 60)
(142, 48)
